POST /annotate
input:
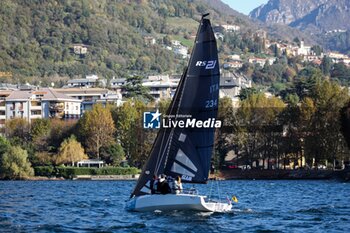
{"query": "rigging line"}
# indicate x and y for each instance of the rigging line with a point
(218, 188)
(211, 189)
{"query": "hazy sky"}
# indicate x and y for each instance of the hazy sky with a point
(244, 6)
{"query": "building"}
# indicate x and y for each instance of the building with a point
(230, 27)
(117, 84)
(175, 43)
(80, 49)
(233, 64)
(149, 40)
(91, 96)
(262, 61)
(161, 86)
(338, 57)
(303, 50)
(181, 50)
(231, 84)
(346, 61)
(37, 104)
(89, 81)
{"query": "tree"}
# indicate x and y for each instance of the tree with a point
(135, 140)
(70, 151)
(18, 129)
(113, 154)
(325, 141)
(4, 147)
(39, 132)
(60, 129)
(326, 65)
(126, 118)
(345, 123)
(97, 129)
(135, 89)
(15, 164)
(258, 128)
(224, 137)
(246, 92)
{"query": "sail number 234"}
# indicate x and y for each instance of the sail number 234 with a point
(211, 103)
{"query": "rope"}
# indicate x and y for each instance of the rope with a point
(211, 188)
(218, 188)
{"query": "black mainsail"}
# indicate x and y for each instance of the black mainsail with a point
(186, 152)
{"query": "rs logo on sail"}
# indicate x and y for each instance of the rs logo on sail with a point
(208, 64)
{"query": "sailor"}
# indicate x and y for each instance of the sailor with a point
(154, 184)
(178, 185)
(171, 183)
(163, 186)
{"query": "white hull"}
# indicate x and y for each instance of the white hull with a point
(175, 202)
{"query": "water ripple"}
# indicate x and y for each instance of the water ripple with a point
(90, 206)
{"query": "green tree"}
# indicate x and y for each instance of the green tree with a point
(39, 132)
(345, 123)
(135, 89)
(60, 130)
(258, 128)
(4, 147)
(246, 92)
(326, 65)
(113, 154)
(70, 151)
(15, 164)
(97, 129)
(18, 129)
(135, 140)
(224, 137)
(325, 141)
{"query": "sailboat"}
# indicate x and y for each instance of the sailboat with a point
(186, 151)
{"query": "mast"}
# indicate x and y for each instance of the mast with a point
(186, 152)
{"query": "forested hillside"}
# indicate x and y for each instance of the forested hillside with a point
(38, 36)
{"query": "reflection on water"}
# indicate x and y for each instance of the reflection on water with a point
(98, 206)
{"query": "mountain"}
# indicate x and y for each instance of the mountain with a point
(327, 20)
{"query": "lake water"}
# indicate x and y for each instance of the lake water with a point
(98, 206)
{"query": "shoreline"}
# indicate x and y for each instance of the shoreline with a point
(233, 174)
(254, 174)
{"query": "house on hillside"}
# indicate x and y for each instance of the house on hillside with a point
(149, 40)
(181, 50)
(231, 84)
(230, 27)
(88, 82)
(80, 49)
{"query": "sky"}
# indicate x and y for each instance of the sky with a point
(244, 6)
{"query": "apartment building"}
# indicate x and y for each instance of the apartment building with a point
(91, 96)
(35, 104)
